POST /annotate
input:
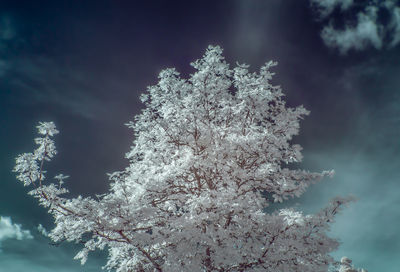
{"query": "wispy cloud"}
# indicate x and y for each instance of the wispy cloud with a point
(44, 80)
(39, 78)
(395, 25)
(10, 230)
(7, 30)
(7, 34)
(368, 30)
(42, 230)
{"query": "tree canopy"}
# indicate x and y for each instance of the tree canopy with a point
(207, 150)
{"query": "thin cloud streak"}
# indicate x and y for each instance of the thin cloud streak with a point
(43, 80)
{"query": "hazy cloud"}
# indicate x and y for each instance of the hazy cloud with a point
(37, 255)
(368, 30)
(7, 34)
(8, 230)
(3, 67)
(7, 30)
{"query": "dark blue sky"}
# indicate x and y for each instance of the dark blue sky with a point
(84, 64)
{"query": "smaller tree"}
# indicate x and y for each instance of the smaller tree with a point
(346, 266)
(206, 151)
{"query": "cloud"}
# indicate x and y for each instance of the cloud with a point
(366, 31)
(326, 7)
(7, 30)
(395, 25)
(42, 230)
(7, 35)
(8, 230)
(44, 80)
(41, 78)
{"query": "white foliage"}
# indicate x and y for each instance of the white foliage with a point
(205, 151)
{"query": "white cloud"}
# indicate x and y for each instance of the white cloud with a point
(368, 31)
(8, 230)
(365, 33)
(326, 7)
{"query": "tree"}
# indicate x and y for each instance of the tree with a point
(210, 153)
(345, 266)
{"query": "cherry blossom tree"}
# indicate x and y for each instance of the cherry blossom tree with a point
(206, 153)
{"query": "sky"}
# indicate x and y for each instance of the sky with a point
(83, 65)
